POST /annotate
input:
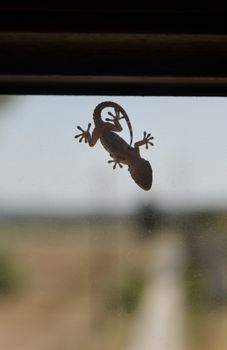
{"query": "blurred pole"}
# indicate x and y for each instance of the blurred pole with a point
(160, 322)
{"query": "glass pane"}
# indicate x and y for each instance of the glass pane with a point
(90, 260)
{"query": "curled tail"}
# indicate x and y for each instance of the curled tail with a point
(98, 110)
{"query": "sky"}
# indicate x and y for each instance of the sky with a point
(45, 169)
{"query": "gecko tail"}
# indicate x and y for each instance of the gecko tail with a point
(129, 127)
(98, 109)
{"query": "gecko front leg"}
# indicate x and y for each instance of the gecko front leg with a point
(116, 162)
(145, 141)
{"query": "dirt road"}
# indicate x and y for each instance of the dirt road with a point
(160, 323)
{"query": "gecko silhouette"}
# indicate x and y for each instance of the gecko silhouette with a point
(121, 152)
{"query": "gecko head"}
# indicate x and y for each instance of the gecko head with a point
(141, 172)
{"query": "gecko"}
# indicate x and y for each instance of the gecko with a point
(120, 151)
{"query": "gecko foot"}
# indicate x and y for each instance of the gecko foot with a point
(147, 139)
(84, 135)
(115, 163)
(115, 117)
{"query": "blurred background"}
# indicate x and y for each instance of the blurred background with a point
(88, 260)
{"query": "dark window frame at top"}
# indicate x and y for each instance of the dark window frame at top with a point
(73, 50)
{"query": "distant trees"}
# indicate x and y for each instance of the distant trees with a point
(148, 218)
(205, 233)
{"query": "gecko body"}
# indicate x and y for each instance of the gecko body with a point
(120, 151)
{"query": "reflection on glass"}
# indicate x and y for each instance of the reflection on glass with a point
(88, 260)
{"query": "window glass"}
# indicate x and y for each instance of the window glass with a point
(90, 260)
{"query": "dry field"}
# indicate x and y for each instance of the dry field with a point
(75, 286)
(207, 329)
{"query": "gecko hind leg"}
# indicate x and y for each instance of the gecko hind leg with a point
(84, 135)
(116, 117)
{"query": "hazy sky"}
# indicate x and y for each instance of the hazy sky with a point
(44, 168)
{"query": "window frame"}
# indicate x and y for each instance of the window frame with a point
(149, 50)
